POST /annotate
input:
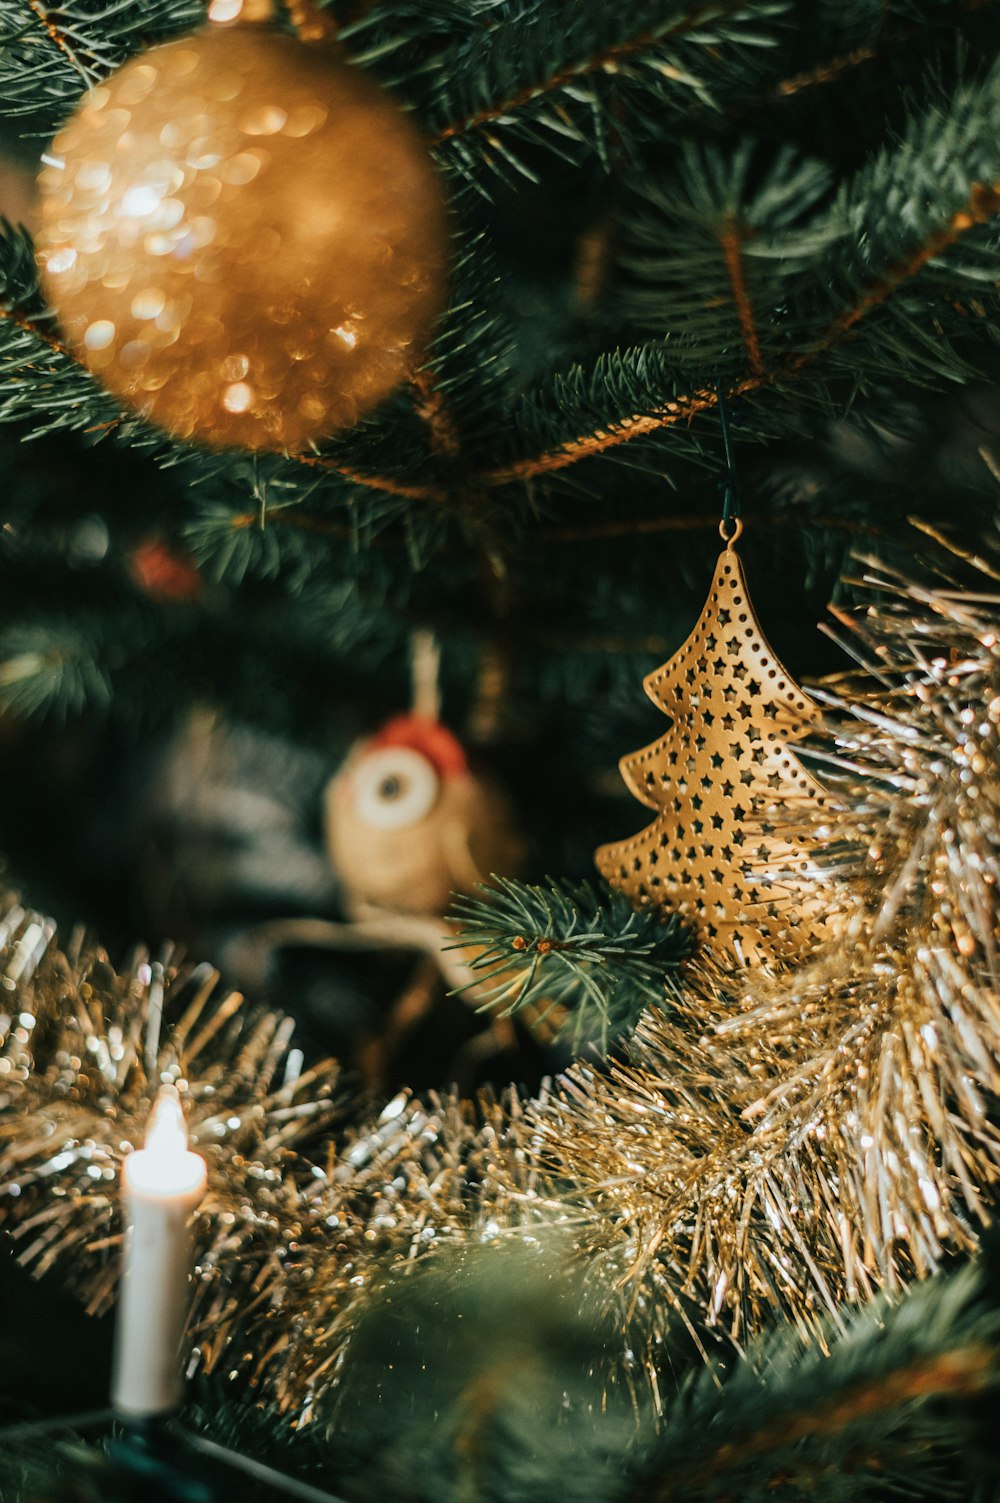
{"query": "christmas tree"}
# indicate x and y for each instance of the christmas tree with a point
(364, 372)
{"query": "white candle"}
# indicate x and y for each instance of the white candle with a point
(162, 1184)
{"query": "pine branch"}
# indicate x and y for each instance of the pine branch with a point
(577, 76)
(386, 483)
(585, 78)
(886, 36)
(50, 53)
(64, 39)
(472, 361)
(567, 952)
(733, 237)
(938, 192)
(675, 413)
(604, 59)
(52, 668)
(434, 50)
(891, 1408)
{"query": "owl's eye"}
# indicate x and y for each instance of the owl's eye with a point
(395, 787)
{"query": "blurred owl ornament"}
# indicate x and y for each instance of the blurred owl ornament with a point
(411, 821)
(243, 236)
(408, 824)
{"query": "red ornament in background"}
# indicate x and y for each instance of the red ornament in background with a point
(165, 573)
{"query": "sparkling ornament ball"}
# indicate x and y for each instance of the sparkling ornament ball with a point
(244, 237)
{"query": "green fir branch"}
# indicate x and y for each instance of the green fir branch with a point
(575, 955)
(473, 358)
(52, 668)
(577, 76)
(753, 222)
(898, 276)
(891, 1411)
(493, 82)
(51, 53)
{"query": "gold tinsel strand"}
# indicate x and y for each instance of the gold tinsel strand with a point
(771, 1144)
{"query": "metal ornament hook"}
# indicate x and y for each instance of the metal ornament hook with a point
(730, 538)
(732, 501)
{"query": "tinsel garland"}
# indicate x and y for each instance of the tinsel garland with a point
(286, 1243)
(769, 1144)
(784, 1143)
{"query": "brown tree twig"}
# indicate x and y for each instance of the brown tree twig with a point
(677, 410)
(982, 205)
(598, 62)
(430, 408)
(961, 1373)
(91, 71)
(374, 482)
(835, 67)
(732, 238)
(31, 326)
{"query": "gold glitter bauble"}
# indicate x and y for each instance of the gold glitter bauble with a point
(244, 237)
(714, 853)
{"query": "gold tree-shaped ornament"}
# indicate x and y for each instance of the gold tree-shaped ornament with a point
(716, 779)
